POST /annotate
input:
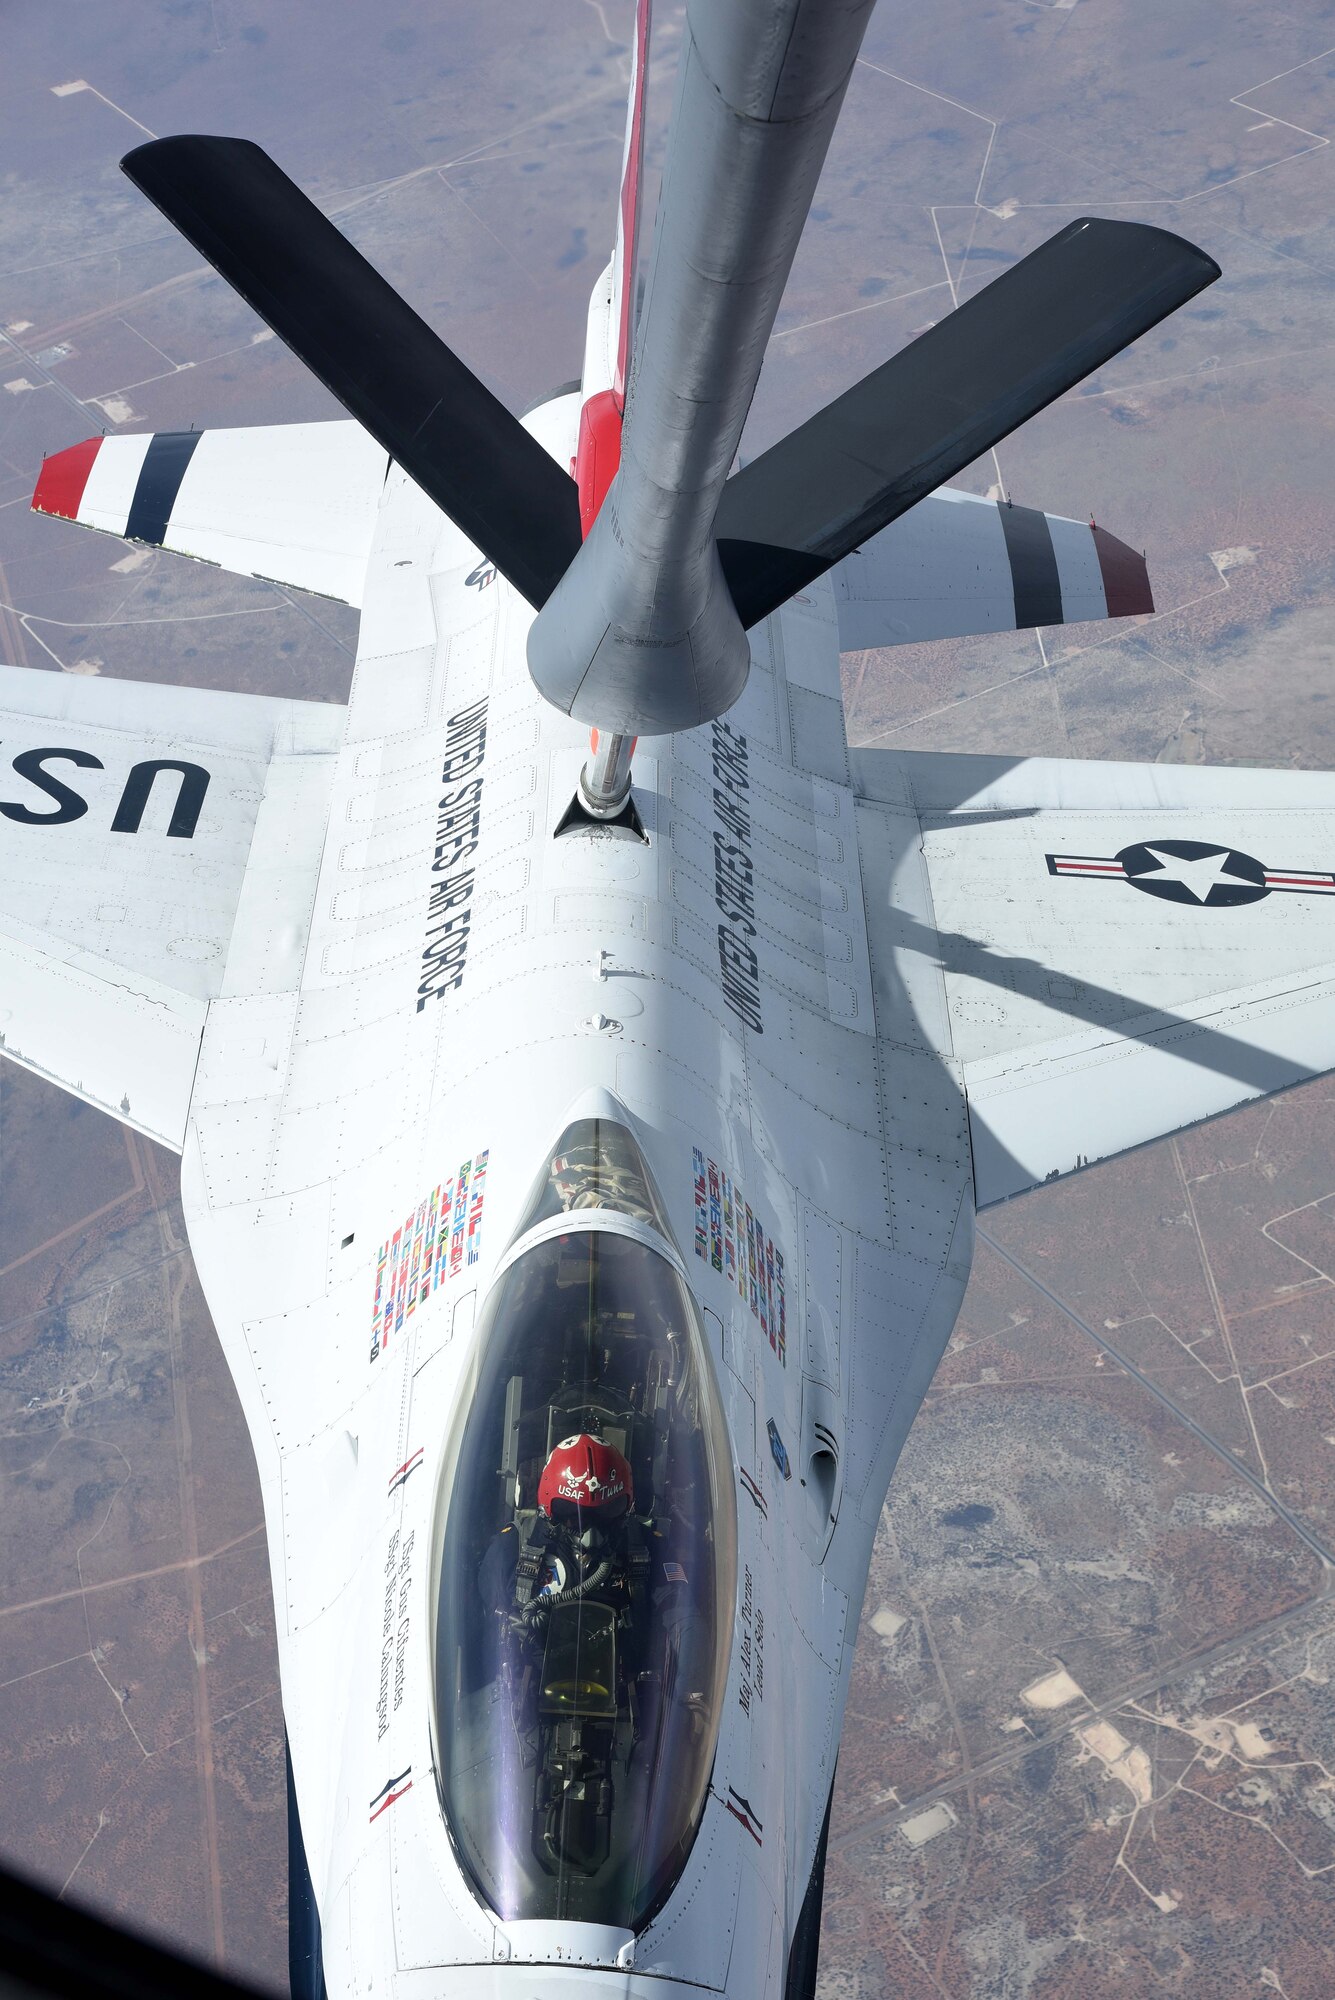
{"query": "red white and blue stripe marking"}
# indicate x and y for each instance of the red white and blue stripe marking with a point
(389, 1794)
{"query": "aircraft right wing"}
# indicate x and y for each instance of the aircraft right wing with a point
(1127, 948)
(291, 503)
(956, 564)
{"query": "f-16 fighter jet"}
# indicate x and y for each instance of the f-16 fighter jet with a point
(580, 1142)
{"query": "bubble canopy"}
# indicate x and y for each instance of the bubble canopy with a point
(581, 1647)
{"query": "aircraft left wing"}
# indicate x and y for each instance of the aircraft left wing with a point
(1127, 948)
(956, 564)
(291, 503)
(158, 850)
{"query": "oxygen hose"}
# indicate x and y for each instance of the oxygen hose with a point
(542, 1606)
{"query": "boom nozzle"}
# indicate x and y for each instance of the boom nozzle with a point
(604, 782)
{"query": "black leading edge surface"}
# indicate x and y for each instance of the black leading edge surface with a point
(946, 398)
(385, 365)
(305, 1958)
(804, 1952)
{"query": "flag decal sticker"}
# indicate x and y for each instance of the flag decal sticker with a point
(731, 1239)
(1197, 872)
(428, 1248)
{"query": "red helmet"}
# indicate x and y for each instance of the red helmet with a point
(584, 1474)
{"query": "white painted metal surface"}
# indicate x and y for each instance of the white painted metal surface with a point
(943, 571)
(1092, 1007)
(292, 503)
(115, 938)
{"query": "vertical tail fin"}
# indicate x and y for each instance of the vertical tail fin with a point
(611, 332)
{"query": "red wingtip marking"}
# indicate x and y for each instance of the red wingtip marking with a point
(1126, 577)
(62, 479)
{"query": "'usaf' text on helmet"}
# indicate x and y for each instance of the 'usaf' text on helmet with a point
(584, 1476)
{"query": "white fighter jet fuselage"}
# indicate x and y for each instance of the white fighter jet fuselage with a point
(542, 1121)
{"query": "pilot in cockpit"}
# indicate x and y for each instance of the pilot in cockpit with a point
(576, 1545)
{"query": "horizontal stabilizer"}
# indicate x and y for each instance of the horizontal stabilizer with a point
(946, 398)
(388, 369)
(293, 503)
(955, 565)
(136, 822)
